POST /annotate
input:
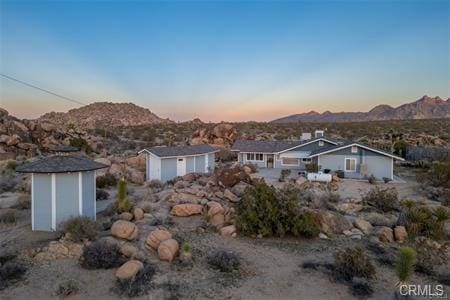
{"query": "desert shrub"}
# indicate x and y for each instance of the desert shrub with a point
(24, 201)
(430, 255)
(385, 200)
(11, 165)
(386, 179)
(422, 221)
(123, 203)
(186, 247)
(283, 174)
(361, 287)
(8, 216)
(439, 174)
(68, 287)
(225, 155)
(137, 286)
(372, 179)
(253, 167)
(11, 271)
(101, 195)
(312, 168)
(265, 211)
(106, 181)
(80, 228)
(81, 144)
(353, 262)
(224, 261)
(101, 255)
(405, 263)
(155, 184)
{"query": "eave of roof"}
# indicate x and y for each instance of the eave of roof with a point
(349, 144)
(180, 151)
(60, 164)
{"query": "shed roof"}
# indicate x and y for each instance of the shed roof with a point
(180, 150)
(60, 164)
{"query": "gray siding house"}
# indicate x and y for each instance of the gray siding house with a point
(62, 186)
(356, 160)
(166, 163)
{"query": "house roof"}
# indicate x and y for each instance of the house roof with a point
(60, 164)
(64, 148)
(272, 146)
(180, 150)
(347, 144)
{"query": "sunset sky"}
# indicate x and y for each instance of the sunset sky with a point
(224, 60)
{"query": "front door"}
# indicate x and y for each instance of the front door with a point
(270, 160)
(181, 166)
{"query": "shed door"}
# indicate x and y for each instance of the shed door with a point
(181, 166)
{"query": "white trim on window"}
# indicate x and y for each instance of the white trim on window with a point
(345, 164)
(354, 149)
(254, 156)
(321, 143)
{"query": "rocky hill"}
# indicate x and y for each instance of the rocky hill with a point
(104, 114)
(424, 108)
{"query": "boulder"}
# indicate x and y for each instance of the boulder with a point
(116, 170)
(129, 250)
(301, 180)
(363, 225)
(227, 194)
(104, 161)
(138, 213)
(127, 216)
(400, 234)
(129, 269)
(385, 234)
(190, 177)
(377, 219)
(47, 126)
(228, 231)
(331, 222)
(136, 162)
(247, 170)
(186, 210)
(124, 230)
(239, 188)
(349, 208)
(168, 249)
(156, 237)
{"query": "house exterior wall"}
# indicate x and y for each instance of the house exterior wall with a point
(88, 192)
(168, 168)
(377, 164)
(278, 165)
(211, 162)
(67, 196)
(260, 164)
(42, 202)
(190, 164)
(200, 163)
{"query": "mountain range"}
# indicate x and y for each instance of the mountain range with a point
(105, 114)
(424, 108)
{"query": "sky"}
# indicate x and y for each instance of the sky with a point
(223, 60)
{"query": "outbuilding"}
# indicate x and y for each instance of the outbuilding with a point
(62, 186)
(165, 163)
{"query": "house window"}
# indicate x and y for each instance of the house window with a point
(255, 157)
(350, 165)
(306, 160)
(287, 161)
(320, 143)
(354, 149)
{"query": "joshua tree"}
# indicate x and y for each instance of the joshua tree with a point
(404, 266)
(123, 203)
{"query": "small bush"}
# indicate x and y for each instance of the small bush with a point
(101, 255)
(123, 203)
(80, 228)
(421, 221)
(361, 288)
(225, 155)
(253, 167)
(386, 180)
(312, 168)
(137, 286)
(81, 144)
(24, 202)
(68, 287)
(11, 271)
(8, 216)
(406, 261)
(224, 261)
(186, 247)
(284, 174)
(385, 200)
(11, 165)
(372, 179)
(353, 262)
(430, 255)
(106, 181)
(155, 184)
(101, 195)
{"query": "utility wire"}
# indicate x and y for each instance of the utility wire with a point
(41, 89)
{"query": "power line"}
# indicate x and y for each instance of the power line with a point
(41, 89)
